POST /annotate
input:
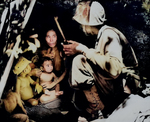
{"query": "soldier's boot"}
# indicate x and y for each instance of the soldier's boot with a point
(95, 104)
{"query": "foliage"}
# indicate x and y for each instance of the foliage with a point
(146, 5)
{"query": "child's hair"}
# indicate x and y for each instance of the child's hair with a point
(45, 59)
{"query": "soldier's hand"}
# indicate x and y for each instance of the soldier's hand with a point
(70, 49)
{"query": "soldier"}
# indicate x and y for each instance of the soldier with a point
(99, 72)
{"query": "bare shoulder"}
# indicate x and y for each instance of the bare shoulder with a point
(53, 74)
(19, 79)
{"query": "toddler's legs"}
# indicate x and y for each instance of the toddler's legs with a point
(45, 98)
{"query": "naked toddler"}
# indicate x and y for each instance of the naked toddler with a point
(47, 78)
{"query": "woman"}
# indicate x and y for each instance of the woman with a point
(53, 50)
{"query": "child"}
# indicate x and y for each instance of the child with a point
(47, 78)
(23, 88)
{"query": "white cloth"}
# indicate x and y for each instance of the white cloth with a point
(133, 109)
(130, 109)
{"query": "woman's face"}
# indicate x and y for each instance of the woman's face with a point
(51, 38)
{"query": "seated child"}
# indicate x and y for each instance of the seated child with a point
(23, 88)
(47, 80)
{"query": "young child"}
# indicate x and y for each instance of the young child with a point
(47, 79)
(23, 88)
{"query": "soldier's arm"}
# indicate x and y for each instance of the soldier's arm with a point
(111, 59)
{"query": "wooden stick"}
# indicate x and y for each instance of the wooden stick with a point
(56, 20)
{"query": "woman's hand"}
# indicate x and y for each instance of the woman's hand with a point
(48, 53)
(35, 72)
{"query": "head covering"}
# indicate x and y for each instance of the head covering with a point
(89, 15)
(21, 65)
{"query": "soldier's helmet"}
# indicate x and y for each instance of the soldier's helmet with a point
(88, 13)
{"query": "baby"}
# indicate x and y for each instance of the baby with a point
(47, 80)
